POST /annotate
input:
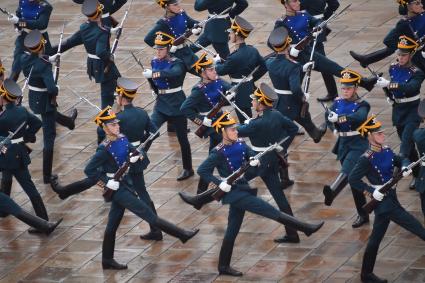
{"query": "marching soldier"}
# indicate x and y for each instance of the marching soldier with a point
(301, 24)
(419, 138)
(321, 10)
(204, 96)
(215, 31)
(42, 95)
(174, 23)
(285, 74)
(30, 15)
(347, 114)
(168, 75)
(404, 94)
(111, 154)
(377, 165)
(242, 62)
(14, 157)
(271, 127)
(413, 26)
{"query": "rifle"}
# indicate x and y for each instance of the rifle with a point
(211, 114)
(119, 31)
(10, 136)
(386, 90)
(27, 79)
(235, 106)
(218, 194)
(373, 203)
(182, 38)
(307, 39)
(85, 99)
(4, 11)
(154, 88)
(57, 65)
(203, 48)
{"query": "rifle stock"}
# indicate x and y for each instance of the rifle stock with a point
(211, 114)
(219, 194)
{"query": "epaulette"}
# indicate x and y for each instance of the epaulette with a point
(105, 28)
(105, 143)
(414, 69)
(219, 146)
(393, 64)
(368, 153)
(240, 140)
(43, 3)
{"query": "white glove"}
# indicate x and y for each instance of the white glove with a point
(253, 162)
(14, 19)
(307, 65)
(134, 159)
(196, 31)
(332, 117)
(278, 148)
(147, 73)
(294, 52)
(247, 121)
(406, 173)
(115, 30)
(423, 54)
(53, 58)
(390, 101)
(382, 82)
(307, 96)
(207, 122)
(230, 95)
(377, 194)
(173, 49)
(317, 33)
(216, 59)
(3, 150)
(225, 187)
(59, 88)
(113, 185)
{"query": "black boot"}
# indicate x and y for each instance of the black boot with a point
(285, 182)
(175, 231)
(67, 121)
(317, 133)
(412, 184)
(360, 220)
(38, 223)
(71, 189)
(108, 246)
(47, 165)
(296, 224)
(154, 234)
(40, 211)
(202, 186)
(335, 188)
(199, 200)
(372, 278)
(225, 258)
(367, 59)
(185, 174)
(6, 188)
(368, 264)
(291, 234)
(330, 87)
(368, 83)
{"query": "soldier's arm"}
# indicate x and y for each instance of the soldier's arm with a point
(48, 80)
(358, 117)
(291, 128)
(176, 70)
(40, 23)
(102, 48)
(391, 39)
(191, 22)
(116, 5)
(331, 7)
(96, 162)
(359, 171)
(33, 125)
(295, 82)
(189, 106)
(248, 130)
(206, 169)
(412, 86)
(419, 139)
(240, 6)
(261, 63)
(227, 67)
(150, 36)
(75, 40)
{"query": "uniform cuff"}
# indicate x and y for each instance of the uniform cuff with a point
(22, 24)
(393, 85)
(342, 119)
(156, 75)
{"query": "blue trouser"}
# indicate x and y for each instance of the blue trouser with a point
(180, 124)
(422, 196)
(8, 206)
(407, 146)
(22, 175)
(328, 78)
(222, 48)
(321, 63)
(401, 217)
(140, 187)
(107, 89)
(48, 120)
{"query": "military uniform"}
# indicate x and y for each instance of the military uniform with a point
(377, 165)
(109, 157)
(419, 138)
(32, 15)
(268, 128)
(215, 31)
(16, 159)
(242, 62)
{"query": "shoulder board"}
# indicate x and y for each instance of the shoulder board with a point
(368, 153)
(240, 140)
(200, 85)
(219, 146)
(105, 28)
(282, 18)
(105, 143)
(414, 69)
(393, 64)
(43, 3)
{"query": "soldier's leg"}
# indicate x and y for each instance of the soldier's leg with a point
(370, 58)
(234, 223)
(422, 196)
(315, 133)
(49, 135)
(180, 123)
(380, 226)
(202, 40)
(327, 78)
(107, 90)
(67, 121)
(8, 206)
(408, 222)
(408, 149)
(73, 188)
(222, 49)
(116, 213)
(6, 186)
(158, 118)
(16, 65)
(246, 110)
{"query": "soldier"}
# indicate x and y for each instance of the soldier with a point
(174, 23)
(111, 154)
(42, 95)
(299, 25)
(377, 164)
(204, 96)
(14, 157)
(285, 74)
(403, 94)
(321, 10)
(413, 26)
(215, 31)
(419, 138)
(228, 157)
(8, 206)
(30, 15)
(242, 62)
(168, 75)
(347, 114)
(271, 127)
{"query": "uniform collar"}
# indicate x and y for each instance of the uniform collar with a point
(375, 148)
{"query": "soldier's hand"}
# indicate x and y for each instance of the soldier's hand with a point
(3, 150)
(173, 49)
(197, 31)
(307, 96)
(253, 162)
(207, 122)
(247, 121)
(377, 194)
(134, 159)
(308, 65)
(217, 59)
(294, 52)
(147, 73)
(14, 19)
(423, 54)
(332, 117)
(115, 30)
(225, 187)
(406, 172)
(390, 101)
(113, 185)
(230, 95)
(382, 82)
(279, 148)
(112, 57)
